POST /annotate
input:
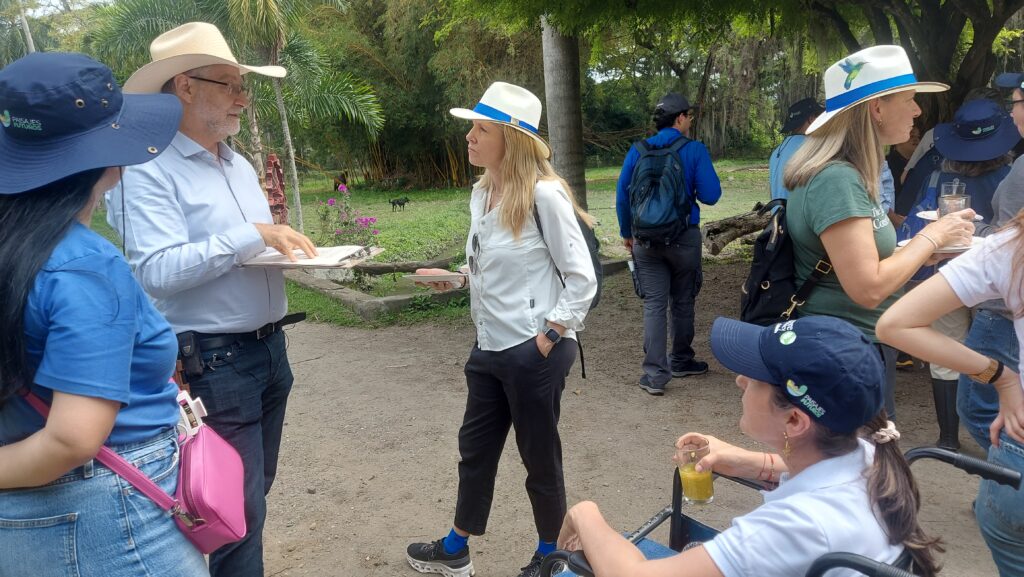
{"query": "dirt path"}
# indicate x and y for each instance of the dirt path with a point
(369, 457)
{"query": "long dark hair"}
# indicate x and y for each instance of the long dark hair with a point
(31, 225)
(892, 489)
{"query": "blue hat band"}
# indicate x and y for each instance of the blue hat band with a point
(495, 114)
(848, 98)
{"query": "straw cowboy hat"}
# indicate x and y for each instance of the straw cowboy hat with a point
(63, 113)
(868, 74)
(184, 48)
(511, 105)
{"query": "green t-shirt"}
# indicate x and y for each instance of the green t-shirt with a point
(835, 194)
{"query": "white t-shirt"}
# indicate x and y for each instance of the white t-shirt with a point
(824, 509)
(984, 273)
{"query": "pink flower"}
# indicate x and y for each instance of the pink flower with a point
(342, 188)
(373, 219)
(330, 202)
(375, 231)
(337, 231)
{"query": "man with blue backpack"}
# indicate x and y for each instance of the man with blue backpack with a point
(661, 181)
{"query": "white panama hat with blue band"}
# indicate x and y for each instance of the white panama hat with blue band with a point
(870, 73)
(509, 104)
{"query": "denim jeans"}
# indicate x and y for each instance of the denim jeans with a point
(245, 389)
(92, 522)
(992, 335)
(1000, 511)
(671, 277)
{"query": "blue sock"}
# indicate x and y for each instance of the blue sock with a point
(454, 542)
(545, 547)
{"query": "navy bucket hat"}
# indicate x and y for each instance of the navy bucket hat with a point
(63, 113)
(981, 130)
(827, 368)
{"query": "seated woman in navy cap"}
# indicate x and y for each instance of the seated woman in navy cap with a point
(812, 390)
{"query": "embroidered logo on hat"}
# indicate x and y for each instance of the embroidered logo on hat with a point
(787, 338)
(983, 129)
(852, 70)
(23, 123)
(5, 119)
(795, 390)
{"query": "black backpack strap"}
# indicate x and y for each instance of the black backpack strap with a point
(821, 269)
(579, 343)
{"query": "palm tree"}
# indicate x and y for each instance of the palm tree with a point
(259, 31)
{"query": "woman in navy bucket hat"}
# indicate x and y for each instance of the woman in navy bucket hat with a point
(80, 333)
(976, 149)
(812, 393)
(531, 283)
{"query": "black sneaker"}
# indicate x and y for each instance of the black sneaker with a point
(532, 568)
(656, 390)
(690, 368)
(431, 558)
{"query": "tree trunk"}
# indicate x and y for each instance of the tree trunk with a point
(256, 142)
(717, 234)
(564, 107)
(283, 112)
(29, 43)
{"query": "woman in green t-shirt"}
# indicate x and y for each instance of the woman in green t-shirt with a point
(834, 208)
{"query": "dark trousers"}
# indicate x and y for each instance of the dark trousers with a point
(520, 388)
(671, 276)
(245, 389)
(889, 355)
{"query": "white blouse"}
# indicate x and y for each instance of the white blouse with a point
(514, 284)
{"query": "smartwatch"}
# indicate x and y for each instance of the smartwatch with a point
(553, 335)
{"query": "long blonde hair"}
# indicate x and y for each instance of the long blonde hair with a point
(522, 167)
(849, 137)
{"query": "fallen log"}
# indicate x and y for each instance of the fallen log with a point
(719, 233)
(379, 268)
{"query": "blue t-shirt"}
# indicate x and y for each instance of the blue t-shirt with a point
(777, 163)
(90, 330)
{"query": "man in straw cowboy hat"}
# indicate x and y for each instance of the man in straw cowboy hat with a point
(187, 223)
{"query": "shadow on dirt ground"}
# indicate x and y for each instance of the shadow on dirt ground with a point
(369, 457)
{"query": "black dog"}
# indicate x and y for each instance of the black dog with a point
(339, 180)
(397, 203)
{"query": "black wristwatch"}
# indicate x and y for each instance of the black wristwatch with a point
(553, 335)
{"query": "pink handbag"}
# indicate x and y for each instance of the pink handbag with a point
(209, 504)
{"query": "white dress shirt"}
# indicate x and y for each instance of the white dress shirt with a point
(823, 509)
(515, 286)
(189, 217)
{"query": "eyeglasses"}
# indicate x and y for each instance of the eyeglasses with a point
(1011, 103)
(474, 265)
(232, 89)
(690, 113)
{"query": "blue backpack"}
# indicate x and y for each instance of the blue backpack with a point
(658, 200)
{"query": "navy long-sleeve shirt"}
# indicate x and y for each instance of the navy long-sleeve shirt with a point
(698, 173)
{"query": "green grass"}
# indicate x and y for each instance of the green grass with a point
(435, 223)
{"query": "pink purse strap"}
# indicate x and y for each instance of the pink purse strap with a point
(118, 464)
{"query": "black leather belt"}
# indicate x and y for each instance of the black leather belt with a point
(215, 340)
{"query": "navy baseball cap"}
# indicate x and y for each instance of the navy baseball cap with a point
(827, 367)
(800, 112)
(63, 113)
(1010, 80)
(673, 103)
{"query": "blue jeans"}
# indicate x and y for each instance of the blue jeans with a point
(992, 335)
(671, 277)
(92, 522)
(1000, 511)
(245, 388)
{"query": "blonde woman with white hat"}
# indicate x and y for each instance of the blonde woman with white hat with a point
(531, 282)
(834, 212)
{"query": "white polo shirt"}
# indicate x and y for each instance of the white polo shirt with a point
(824, 509)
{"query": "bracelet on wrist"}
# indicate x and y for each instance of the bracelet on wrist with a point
(929, 239)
